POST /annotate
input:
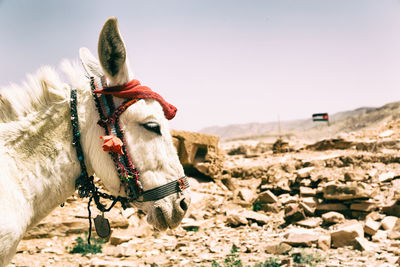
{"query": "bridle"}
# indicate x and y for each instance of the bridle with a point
(128, 174)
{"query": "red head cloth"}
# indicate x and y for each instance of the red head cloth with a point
(134, 89)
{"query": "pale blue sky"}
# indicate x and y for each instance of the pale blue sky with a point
(224, 62)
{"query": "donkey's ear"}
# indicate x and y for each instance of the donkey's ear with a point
(90, 63)
(112, 53)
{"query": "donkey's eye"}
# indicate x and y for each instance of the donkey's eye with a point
(152, 127)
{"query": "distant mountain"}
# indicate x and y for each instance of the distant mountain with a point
(345, 121)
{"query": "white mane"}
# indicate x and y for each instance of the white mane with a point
(40, 91)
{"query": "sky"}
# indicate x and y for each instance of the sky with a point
(227, 61)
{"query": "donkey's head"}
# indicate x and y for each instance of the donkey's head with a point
(148, 139)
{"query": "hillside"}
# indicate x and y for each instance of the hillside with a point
(346, 121)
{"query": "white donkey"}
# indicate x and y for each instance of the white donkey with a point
(39, 164)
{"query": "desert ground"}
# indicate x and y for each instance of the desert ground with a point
(295, 202)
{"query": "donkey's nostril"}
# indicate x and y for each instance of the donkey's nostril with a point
(183, 204)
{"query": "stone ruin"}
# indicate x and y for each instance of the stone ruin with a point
(198, 153)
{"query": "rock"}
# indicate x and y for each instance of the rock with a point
(307, 191)
(256, 216)
(395, 232)
(310, 222)
(277, 248)
(281, 147)
(363, 244)
(349, 176)
(386, 133)
(304, 238)
(389, 222)
(246, 194)
(294, 213)
(332, 217)
(363, 206)
(393, 210)
(309, 201)
(324, 242)
(236, 220)
(346, 234)
(307, 210)
(371, 227)
(287, 199)
(305, 172)
(354, 190)
(270, 207)
(127, 213)
(331, 207)
(199, 151)
(116, 240)
(386, 177)
(267, 197)
(380, 236)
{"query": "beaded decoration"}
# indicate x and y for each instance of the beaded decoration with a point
(109, 120)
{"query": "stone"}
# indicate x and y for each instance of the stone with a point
(386, 177)
(371, 227)
(198, 151)
(346, 234)
(236, 220)
(324, 242)
(310, 222)
(246, 194)
(307, 191)
(395, 232)
(332, 217)
(309, 201)
(379, 236)
(363, 244)
(389, 222)
(270, 207)
(277, 248)
(331, 207)
(305, 172)
(294, 213)
(353, 190)
(307, 210)
(363, 206)
(127, 213)
(267, 197)
(287, 199)
(392, 210)
(256, 216)
(118, 239)
(301, 238)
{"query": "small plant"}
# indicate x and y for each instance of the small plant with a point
(231, 260)
(309, 259)
(192, 229)
(270, 262)
(257, 206)
(82, 247)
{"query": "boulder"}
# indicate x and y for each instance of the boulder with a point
(277, 248)
(324, 242)
(371, 226)
(199, 152)
(294, 213)
(354, 190)
(347, 233)
(267, 197)
(389, 222)
(301, 238)
(332, 217)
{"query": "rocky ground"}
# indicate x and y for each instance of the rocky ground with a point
(331, 203)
